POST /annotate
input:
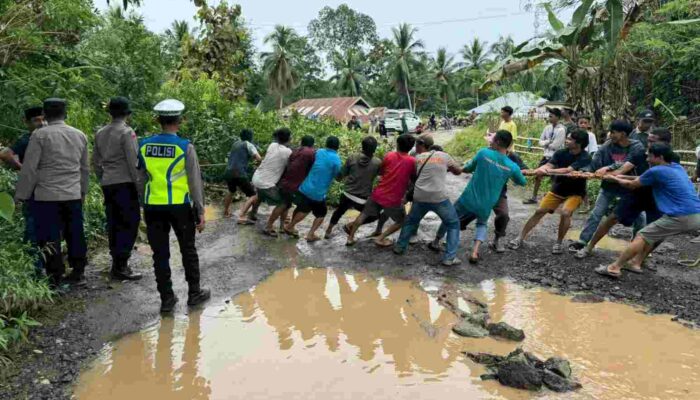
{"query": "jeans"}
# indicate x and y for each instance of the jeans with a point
(450, 224)
(56, 218)
(465, 218)
(123, 216)
(159, 220)
(602, 205)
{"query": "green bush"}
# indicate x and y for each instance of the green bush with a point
(20, 293)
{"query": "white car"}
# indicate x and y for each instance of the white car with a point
(392, 120)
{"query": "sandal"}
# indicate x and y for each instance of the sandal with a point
(245, 221)
(346, 229)
(351, 243)
(434, 247)
(603, 270)
(474, 260)
(271, 233)
(515, 244)
(384, 243)
(633, 270)
(312, 239)
(293, 234)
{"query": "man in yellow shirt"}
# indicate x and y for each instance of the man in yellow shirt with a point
(507, 123)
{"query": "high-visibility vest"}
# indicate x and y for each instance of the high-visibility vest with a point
(163, 157)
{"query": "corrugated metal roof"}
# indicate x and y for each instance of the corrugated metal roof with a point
(340, 108)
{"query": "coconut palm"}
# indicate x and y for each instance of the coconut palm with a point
(476, 55)
(404, 58)
(349, 76)
(503, 48)
(444, 71)
(280, 63)
(178, 31)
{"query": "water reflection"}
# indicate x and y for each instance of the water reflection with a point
(323, 334)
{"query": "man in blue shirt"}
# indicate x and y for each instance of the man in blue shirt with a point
(311, 196)
(491, 169)
(675, 197)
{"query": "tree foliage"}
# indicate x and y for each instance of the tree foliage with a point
(342, 29)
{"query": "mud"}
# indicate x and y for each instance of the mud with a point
(302, 329)
(235, 259)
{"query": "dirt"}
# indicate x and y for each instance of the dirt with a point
(234, 259)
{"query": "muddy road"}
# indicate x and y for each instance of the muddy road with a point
(235, 259)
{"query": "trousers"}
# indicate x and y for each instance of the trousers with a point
(450, 221)
(501, 216)
(123, 216)
(53, 219)
(159, 221)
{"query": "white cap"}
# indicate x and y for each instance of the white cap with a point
(169, 108)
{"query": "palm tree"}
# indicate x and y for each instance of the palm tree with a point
(349, 76)
(444, 70)
(404, 59)
(178, 31)
(503, 48)
(475, 54)
(279, 64)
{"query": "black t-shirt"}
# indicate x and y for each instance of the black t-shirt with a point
(565, 187)
(20, 146)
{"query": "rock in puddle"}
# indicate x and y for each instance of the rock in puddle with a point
(505, 331)
(559, 366)
(523, 370)
(468, 329)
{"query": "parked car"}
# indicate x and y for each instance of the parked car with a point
(392, 120)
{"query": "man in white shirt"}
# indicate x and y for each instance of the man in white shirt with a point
(553, 139)
(268, 174)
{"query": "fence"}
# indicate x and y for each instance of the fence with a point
(688, 158)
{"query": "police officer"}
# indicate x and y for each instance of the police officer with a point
(115, 162)
(56, 172)
(173, 198)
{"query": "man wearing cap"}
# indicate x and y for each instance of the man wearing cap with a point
(56, 173)
(645, 121)
(430, 194)
(173, 198)
(115, 160)
(567, 114)
(552, 140)
(34, 119)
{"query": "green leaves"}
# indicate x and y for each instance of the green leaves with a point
(7, 206)
(556, 24)
(613, 26)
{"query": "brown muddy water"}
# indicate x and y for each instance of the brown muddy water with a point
(328, 334)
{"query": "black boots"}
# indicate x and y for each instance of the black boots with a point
(77, 275)
(167, 304)
(198, 297)
(121, 271)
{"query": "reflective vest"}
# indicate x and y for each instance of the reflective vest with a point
(163, 157)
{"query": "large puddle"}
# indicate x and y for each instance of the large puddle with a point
(326, 334)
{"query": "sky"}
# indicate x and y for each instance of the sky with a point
(441, 23)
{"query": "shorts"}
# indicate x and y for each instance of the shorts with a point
(270, 196)
(668, 226)
(240, 183)
(306, 205)
(544, 161)
(551, 202)
(373, 210)
(287, 197)
(632, 204)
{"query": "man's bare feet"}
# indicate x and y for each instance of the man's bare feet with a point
(312, 238)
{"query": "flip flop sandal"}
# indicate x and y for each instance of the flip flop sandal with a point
(273, 234)
(474, 260)
(313, 239)
(293, 234)
(245, 222)
(346, 229)
(603, 270)
(384, 243)
(633, 270)
(350, 243)
(689, 263)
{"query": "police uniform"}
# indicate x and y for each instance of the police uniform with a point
(56, 173)
(173, 198)
(115, 162)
